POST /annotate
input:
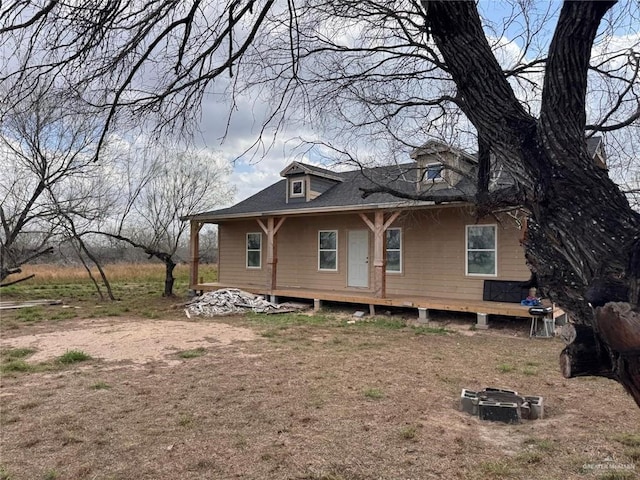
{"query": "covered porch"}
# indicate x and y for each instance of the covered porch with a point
(423, 304)
(266, 280)
(378, 222)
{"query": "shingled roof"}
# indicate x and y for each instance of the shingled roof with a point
(345, 195)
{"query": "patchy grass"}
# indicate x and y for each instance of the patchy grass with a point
(426, 330)
(16, 365)
(31, 314)
(73, 356)
(13, 360)
(374, 393)
(409, 432)
(51, 475)
(137, 287)
(15, 353)
(633, 454)
(100, 386)
(495, 469)
(115, 309)
(628, 439)
(289, 319)
(194, 353)
(186, 420)
(4, 474)
(380, 323)
(505, 368)
(618, 475)
(632, 441)
(539, 444)
(529, 458)
(62, 314)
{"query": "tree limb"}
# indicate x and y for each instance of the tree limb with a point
(565, 81)
(28, 277)
(160, 255)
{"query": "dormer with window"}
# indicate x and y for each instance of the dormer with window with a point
(306, 182)
(440, 165)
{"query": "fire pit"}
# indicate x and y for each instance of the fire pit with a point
(501, 405)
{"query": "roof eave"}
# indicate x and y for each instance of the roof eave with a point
(319, 210)
(310, 171)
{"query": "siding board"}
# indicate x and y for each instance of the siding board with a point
(433, 254)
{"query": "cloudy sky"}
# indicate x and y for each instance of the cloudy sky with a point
(254, 172)
(251, 173)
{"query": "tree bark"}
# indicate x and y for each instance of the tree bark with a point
(169, 279)
(584, 355)
(582, 240)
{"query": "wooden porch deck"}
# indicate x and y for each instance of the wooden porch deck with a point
(481, 308)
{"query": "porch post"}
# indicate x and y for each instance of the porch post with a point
(379, 227)
(194, 250)
(271, 230)
(379, 260)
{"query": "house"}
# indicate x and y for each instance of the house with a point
(313, 235)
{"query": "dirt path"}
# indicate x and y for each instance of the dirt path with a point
(139, 342)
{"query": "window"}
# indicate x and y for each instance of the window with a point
(254, 250)
(394, 250)
(433, 172)
(328, 250)
(297, 188)
(481, 250)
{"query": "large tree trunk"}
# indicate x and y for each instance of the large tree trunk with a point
(583, 238)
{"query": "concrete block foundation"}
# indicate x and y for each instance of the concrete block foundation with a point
(483, 321)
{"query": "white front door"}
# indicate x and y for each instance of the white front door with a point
(358, 258)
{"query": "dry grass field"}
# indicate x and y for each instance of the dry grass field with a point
(134, 390)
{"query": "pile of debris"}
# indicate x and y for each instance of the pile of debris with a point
(501, 405)
(229, 301)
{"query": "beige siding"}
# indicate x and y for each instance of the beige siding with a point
(433, 254)
(233, 253)
(298, 252)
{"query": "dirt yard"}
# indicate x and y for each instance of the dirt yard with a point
(288, 398)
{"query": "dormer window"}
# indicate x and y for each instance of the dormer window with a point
(305, 182)
(433, 172)
(297, 188)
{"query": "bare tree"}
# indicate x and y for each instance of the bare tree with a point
(163, 185)
(405, 71)
(45, 147)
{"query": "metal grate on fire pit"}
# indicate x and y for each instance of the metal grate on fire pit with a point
(501, 405)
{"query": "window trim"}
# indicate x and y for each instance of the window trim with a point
(247, 250)
(291, 185)
(386, 250)
(494, 249)
(320, 269)
(439, 178)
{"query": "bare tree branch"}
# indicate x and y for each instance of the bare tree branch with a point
(19, 280)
